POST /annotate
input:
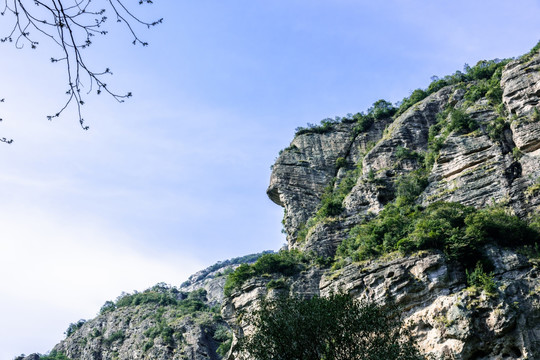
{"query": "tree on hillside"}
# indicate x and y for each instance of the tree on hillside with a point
(72, 25)
(337, 327)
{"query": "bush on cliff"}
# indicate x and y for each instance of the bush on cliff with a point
(458, 230)
(337, 327)
(287, 263)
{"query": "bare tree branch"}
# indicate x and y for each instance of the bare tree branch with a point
(71, 25)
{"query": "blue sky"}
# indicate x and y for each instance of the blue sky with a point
(174, 179)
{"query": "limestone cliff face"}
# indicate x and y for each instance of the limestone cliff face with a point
(496, 161)
(474, 168)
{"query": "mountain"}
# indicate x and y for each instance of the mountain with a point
(432, 204)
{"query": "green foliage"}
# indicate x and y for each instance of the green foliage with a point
(107, 307)
(457, 230)
(149, 296)
(148, 345)
(115, 336)
(403, 153)
(516, 153)
(461, 122)
(332, 199)
(534, 189)
(486, 75)
(247, 259)
(535, 116)
(382, 109)
(484, 69)
(496, 128)
(163, 330)
(340, 162)
(54, 355)
(223, 335)
(480, 279)
(497, 225)
(224, 347)
(325, 126)
(285, 262)
(416, 96)
(334, 328)
(410, 186)
(530, 54)
(363, 123)
(438, 83)
(74, 327)
(277, 284)
(378, 236)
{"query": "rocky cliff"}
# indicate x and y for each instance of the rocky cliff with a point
(397, 203)
(474, 142)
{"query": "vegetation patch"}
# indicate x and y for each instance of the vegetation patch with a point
(458, 230)
(287, 263)
(333, 327)
(74, 327)
(534, 189)
(528, 56)
(248, 259)
(54, 355)
(461, 122)
(224, 336)
(117, 336)
(478, 278)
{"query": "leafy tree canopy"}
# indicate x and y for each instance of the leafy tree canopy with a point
(329, 328)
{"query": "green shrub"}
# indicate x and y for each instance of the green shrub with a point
(223, 335)
(496, 128)
(530, 54)
(148, 345)
(416, 96)
(378, 236)
(457, 230)
(461, 122)
(403, 153)
(363, 123)
(287, 263)
(326, 126)
(484, 69)
(160, 294)
(497, 225)
(54, 355)
(163, 330)
(336, 327)
(107, 307)
(74, 327)
(480, 279)
(535, 116)
(115, 336)
(277, 284)
(340, 162)
(224, 347)
(534, 189)
(382, 109)
(237, 278)
(410, 186)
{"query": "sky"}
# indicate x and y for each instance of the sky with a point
(174, 179)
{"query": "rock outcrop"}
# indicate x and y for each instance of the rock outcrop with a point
(477, 167)
(468, 141)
